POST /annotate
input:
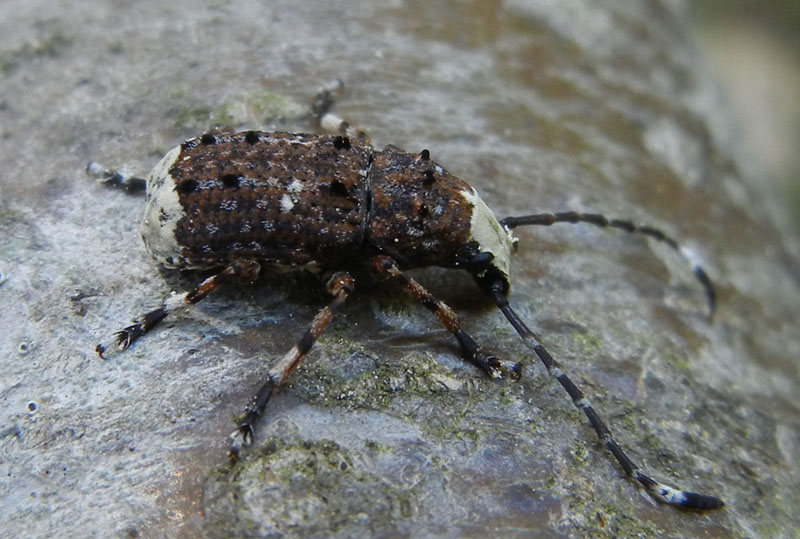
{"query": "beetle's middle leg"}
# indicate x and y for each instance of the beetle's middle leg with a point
(245, 271)
(340, 286)
(488, 363)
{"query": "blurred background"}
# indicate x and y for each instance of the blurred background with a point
(754, 49)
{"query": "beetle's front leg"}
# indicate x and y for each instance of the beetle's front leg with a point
(488, 363)
(341, 285)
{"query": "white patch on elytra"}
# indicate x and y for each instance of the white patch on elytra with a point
(162, 213)
(228, 205)
(488, 232)
(295, 187)
(286, 203)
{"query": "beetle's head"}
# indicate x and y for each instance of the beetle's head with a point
(491, 244)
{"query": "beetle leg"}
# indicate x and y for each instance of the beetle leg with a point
(245, 271)
(340, 286)
(116, 178)
(321, 111)
(488, 363)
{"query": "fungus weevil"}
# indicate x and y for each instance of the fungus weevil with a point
(246, 200)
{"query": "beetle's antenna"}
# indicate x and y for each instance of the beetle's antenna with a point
(660, 491)
(602, 221)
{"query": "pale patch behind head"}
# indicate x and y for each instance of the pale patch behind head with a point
(162, 212)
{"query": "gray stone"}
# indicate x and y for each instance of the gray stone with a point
(384, 431)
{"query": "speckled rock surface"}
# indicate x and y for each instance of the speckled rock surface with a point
(384, 431)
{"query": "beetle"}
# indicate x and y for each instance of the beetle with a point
(332, 203)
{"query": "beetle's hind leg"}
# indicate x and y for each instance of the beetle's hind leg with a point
(116, 178)
(341, 285)
(488, 363)
(326, 120)
(245, 271)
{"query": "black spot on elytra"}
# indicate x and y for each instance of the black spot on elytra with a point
(428, 177)
(251, 137)
(338, 189)
(187, 186)
(208, 138)
(189, 144)
(230, 180)
(341, 143)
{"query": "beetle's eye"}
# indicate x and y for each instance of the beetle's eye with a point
(481, 261)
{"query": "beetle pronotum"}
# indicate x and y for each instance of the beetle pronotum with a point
(333, 203)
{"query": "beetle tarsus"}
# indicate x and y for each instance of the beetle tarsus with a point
(243, 436)
(126, 337)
